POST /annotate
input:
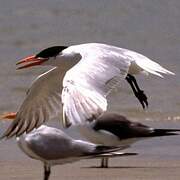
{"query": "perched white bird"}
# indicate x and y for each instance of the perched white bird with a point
(113, 129)
(82, 77)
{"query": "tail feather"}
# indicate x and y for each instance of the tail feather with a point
(152, 72)
(165, 132)
(151, 66)
(114, 154)
(101, 149)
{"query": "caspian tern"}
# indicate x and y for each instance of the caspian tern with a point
(112, 129)
(82, 77)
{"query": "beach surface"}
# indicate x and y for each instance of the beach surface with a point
(158, 158)
(125, 168)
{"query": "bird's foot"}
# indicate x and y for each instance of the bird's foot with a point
(141, 96)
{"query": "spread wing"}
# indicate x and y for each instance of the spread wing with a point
(86, 85)
(42, 103)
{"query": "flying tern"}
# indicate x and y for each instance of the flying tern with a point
(82, 77)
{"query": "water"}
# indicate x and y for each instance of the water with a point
(148, 27)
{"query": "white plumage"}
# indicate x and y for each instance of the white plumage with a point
(83, 77)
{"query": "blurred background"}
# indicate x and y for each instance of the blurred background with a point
(149, 27)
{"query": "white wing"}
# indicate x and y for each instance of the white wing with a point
(42, 103)
(86, 85)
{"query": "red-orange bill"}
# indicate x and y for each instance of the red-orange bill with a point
(30, 61)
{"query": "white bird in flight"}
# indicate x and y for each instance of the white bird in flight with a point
(112, 129)
(82, 77)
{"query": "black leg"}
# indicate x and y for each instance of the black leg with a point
(137, 91)
(104, 162)
(47, 171)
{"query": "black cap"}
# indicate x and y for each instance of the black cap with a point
(51, 51)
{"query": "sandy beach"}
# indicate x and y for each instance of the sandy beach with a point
(158, 158)
(131, 168)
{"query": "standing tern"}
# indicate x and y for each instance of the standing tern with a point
(53, 147)
(112, 129)
(82, 77)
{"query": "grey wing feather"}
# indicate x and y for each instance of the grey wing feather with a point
(42, 103)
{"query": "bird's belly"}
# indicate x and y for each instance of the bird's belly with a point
(134, 69)
(105, 138)
(99, 137)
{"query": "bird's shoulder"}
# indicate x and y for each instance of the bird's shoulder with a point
(97, 50)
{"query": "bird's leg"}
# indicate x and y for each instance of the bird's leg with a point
(104, 162)
(47, 171)
(137, 91)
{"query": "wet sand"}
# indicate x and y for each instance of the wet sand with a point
(159, 158)
(121, 168)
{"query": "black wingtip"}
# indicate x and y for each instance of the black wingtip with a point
(166, 132)
(102, 147)
(106, 149)
(11, 131)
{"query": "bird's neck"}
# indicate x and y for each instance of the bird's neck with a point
(65, 61)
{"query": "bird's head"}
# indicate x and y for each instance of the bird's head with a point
(50, 56)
